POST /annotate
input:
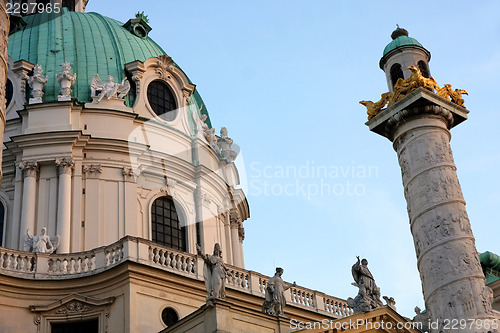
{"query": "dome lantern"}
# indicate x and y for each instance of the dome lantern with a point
(401, 53)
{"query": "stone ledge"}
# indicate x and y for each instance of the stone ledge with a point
(384, 122)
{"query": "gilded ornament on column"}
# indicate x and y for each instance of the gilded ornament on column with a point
(405, 86)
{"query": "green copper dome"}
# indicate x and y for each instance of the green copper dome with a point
(91, 43)
(400, 38)
(401, 41)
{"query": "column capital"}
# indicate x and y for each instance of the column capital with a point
(65, 165)
(241, 233)
(92, 171)
(234, 219)
(30, 168)
(420, 102)
(128, 174)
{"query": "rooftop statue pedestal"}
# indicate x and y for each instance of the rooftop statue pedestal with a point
(450, 271)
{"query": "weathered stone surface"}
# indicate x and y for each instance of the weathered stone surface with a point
(452, 279)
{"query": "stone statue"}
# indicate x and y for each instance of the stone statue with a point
(209, 133)
(108, 89)
(390, 302)
(422, 320)
(42, 243)
(214, 272)
(37, 83)
(224, 143)
(368, 297)
(275, 301)
(65, 80)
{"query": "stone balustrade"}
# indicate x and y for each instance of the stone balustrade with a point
(17, 261)
(73, 265)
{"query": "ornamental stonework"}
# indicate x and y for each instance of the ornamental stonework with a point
(92, 171)
(65, 165)
(73, 308)
(128, 174)
(30, 168)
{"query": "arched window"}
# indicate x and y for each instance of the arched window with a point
(162, 100)
(2, 218)
(423, 69)
(166, 227)
(396, 73)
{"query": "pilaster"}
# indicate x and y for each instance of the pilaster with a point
(235, 224)
(30, 172)
(65, 167)
(92, 231)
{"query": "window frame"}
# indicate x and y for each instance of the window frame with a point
(168, 115)
(164, 233)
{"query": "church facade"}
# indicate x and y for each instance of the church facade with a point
(113, 174)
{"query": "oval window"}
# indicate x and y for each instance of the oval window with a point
(169, 316)
(162, 100)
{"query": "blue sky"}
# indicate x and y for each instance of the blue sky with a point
(285, 78)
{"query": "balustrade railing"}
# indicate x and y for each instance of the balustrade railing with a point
(238, 278)
(337, 306)
(171, 259)
(17, 261)
(72, 265)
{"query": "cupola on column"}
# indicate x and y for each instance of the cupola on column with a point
(417, 121)
(402, 53)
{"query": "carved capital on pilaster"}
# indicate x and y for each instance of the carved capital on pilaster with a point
(186, 93)
(137, 70)
(128, 174)
(30, 168)
(241, 232)
(234, 219)
(92, 171)
(65, 165)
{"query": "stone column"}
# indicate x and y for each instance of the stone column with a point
(4, 40)
(65, 168)
(235, 241)
(30, 169)
(452, 279)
